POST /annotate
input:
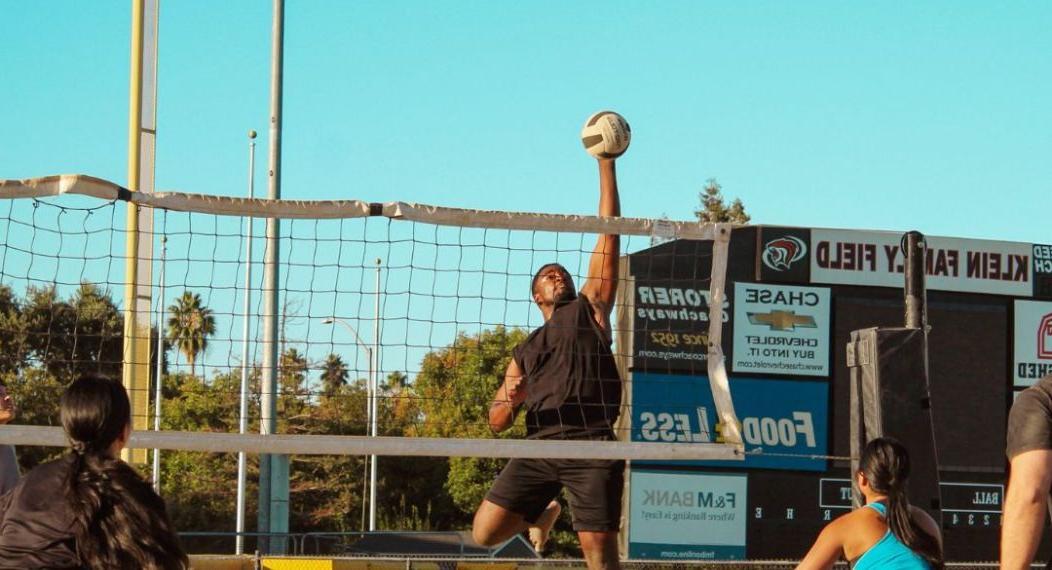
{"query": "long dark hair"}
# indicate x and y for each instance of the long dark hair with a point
(119, 521)
(886, 465)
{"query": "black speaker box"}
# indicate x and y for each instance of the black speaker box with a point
(890, 397)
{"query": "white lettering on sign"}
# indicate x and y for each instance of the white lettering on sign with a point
(675, 304)
(674, 427)
(1042, 258)
(780, 431)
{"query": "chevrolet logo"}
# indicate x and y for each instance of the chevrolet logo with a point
(783, 320)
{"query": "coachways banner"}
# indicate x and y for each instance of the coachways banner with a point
(671, 324)
(875, 258)
(781, 329)
(787, 419)
(670, 301)
(680, 515)
(1033, 342)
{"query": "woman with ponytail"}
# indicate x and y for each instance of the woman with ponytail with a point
(887, 532)
(88, 509)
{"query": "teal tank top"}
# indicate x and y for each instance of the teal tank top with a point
(889, 553)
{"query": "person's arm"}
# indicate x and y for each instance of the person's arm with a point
(510, 395)
(826, 550)
(7, 406)
(927, 524)
(601, 286)
(1025, 507)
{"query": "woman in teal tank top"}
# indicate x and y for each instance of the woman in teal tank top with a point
(888, 532)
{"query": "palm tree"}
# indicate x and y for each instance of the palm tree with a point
(190, 324)
(333, 374)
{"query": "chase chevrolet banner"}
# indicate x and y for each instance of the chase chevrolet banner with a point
(678, 515)
(781, 329)
(1033, 342)
(788, 419)
(849, 257)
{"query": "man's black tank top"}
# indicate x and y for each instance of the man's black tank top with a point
(572, 385)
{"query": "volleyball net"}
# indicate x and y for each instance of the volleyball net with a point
(396, 315)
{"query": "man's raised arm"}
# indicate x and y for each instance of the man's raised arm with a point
(601, 285)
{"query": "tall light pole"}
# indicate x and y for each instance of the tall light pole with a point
(376, 392)
(368, 410)
(243, 411)
(273, 515)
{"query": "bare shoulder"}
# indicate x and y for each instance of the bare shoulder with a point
(862, 528)
(926, 522)
(845, 523)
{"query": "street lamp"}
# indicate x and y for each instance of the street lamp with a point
(370, 414)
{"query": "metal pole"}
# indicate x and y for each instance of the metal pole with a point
(243, 411)
(368, 404)
(160, 359)
(374, 375)
(268, 422)
(369, 417)
(131, 244)
(914, 249)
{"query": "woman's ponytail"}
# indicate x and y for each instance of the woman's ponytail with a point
(886, 466)
(118, 520)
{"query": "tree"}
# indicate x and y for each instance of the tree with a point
(713, 209)
(454, 388)
(333, 375)
(12, 332)
(197, 485)
(190, 324)
(74, 336)
(293, 407)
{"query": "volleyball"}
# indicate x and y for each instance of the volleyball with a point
(606, 135)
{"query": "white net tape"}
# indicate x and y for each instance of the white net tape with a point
(452, 277)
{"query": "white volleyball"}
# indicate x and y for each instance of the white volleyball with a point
(606, 135)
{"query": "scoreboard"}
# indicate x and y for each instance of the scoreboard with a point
(793, 297)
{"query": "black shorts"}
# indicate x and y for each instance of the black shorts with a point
(526, 486)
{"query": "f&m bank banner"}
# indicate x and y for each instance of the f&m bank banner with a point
(680, 515)
(778, 417)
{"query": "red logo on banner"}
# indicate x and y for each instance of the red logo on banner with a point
(779, 254)
(1044, 337)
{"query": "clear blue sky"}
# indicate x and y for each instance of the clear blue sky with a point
(824, 114)
(813, 113)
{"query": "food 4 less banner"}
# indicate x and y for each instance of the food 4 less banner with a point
(876, 258)
(786, 419)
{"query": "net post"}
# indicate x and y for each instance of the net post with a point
(272, 487)
(135, 369)
(914, 248)
(718, 381)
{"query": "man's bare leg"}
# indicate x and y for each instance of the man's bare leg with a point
(494, 524)
(600, 550)
(539, 532)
